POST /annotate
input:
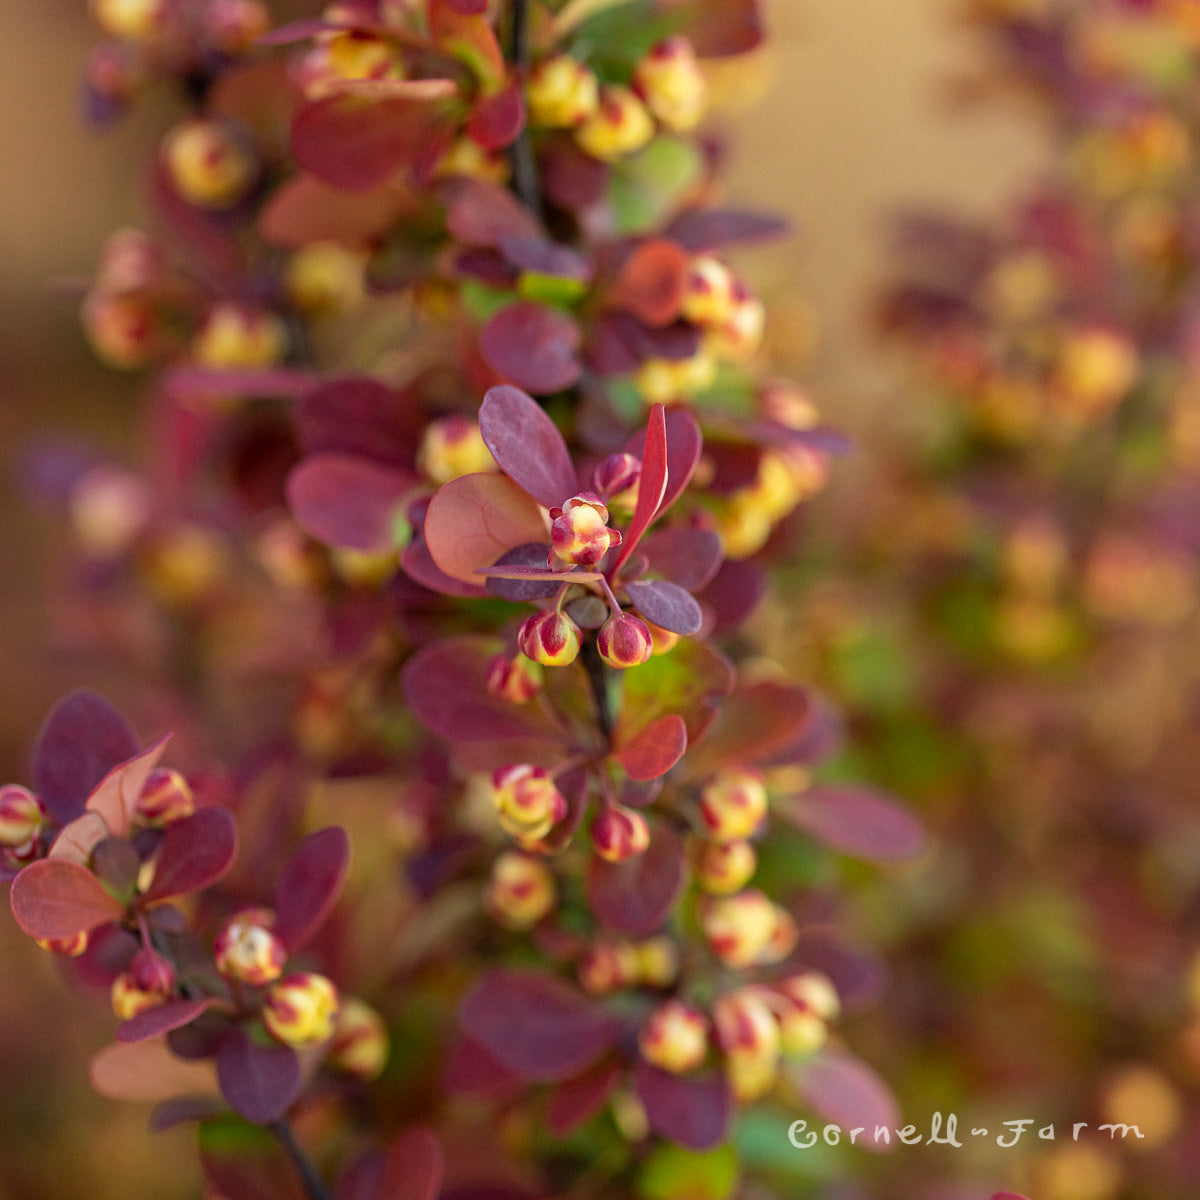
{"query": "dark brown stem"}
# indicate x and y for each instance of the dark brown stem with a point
(597, 674)
(314, 1186)
(525, 183)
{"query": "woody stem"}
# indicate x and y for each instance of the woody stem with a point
(314, 1186)
(525, 182)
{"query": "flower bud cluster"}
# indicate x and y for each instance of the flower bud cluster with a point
(613, 964)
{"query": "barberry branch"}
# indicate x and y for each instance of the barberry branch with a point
(314, 1186)
(525, 183)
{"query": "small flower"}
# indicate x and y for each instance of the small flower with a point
(247, 947)
(738, 338)
(527, 802)
(578, 532)
(124, 330)
(68, 947)
(658, 961)
(109, 508)
(22, 816)
(209, 166)
(326, 277)
(739, 928)
(165, 798)
(453, 446)
(670, 80)
(301, 1009)
(620, 125)
(708, 292)
(562, 93)
(516, 679)
(550, 638)
(675, 1037)
(809, 1004)
(624, 641)
(726, 867)
(733, 805)
(619, 833)
(749, 1036)
(236, 336)
(664, 380)
(609, 965)
(148, 983)
(521, 890)
(360, 1040)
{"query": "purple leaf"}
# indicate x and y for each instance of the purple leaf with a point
(537, 1025)
(534, 346)
(846, 1092)
(636, 896)
(54, 899)
(666, 605)
(418, 565)
(310, 885)
(692, 1110)
(701, 229)
(481, 214)
(348, 502)
(413, 1167)
(530, 578)
(756, 721)
(857, 821)
(526, 445)
(734, 593)
(260, 1082)
(155, 1021)
(575, 1101)
(195, 852)
(82, 739)
(858, 976)
(654, 750)
(820, 739)
(359, 417)
(182, 1110)
(652, 486)
(686, 556)
(498, 120)
(545, 257)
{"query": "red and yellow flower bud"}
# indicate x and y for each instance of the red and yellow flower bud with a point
(453, 446)
(783, 937)
(521, 890)
(675, 1037)
(124, 330)
(516, 679)
(208, 164)
(68, 947)
(624, 641)
(738, 338)
(130, 20)
(360, 1040)
(347, 56)
(708, 293)
(733, 805)
(326, 277)
(235, 25)
(670, 80)
(301, 1009)
(739, 928)
(108, 509)
(235, 336)
(749, 1036)
(562, 93)
(619, 833)
(620, 125)
(148, 983)
(608, 965)
(247, 947)
(616, 477)
(658, 961)
(809, 1003)
(578, 531)
(22, 816)
(664, 380)
(723, 868)
(550, 638)
(527, 802)
(166, 797)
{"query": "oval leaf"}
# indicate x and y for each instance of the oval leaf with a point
(652, 282)
(195, 852)
(260, 1082)
(652, 486)
(148, 1071)
(527, 576)
(172, 1015)
(526, 445)
(82, 739)
(413, 1168)
(479, 213)
(655, 750)
(845, 1091)
(116, 797)
(537, 1025)
(310, 885)
(55, 899)
(345, 501)
(576, 1101)
(534, 346)
(498, 120)
(475, 519)
(857, 821)
(686, 556)
(756, 721)
(700, 229)
(691, 1110)
(666, 605)
(636, 896)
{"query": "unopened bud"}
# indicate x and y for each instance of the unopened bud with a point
(675, 1037)
(148, 983)
(550, 638)
(708, 292)
(733, 805)
(208, 164)
(739, 928)
(300, 1009)
(812, 992)
(608, 965)
(624, 641)
(360, 1040)
(663, 640)
(130, 20)
(521, 890)
(123, 329)
(527, 802)
(578, 531)
(658, 961)
(68, 947)
(783, 938)
(247, 947)
(619, 833)
(726, 867)
(562, 93)
(664, 380)
(670, 79)
(748, 1033)
(108, 509)
(453, 446)
(234, 336)
(620, 125)
(738, 338)
(22, 816)
(235, 25)
(165, 798)
(325, 277)
(516, 679)
(616, 475)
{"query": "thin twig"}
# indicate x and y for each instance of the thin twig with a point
(525, 183)
(314, 1186)
(597, 674)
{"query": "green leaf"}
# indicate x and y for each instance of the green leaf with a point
(673, 1173)
(551, 289)
(647, 186)
(484, 302)
(690, 680)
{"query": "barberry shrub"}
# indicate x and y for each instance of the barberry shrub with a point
(467, 468)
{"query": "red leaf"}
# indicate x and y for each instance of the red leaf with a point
(756, 721)
(445, 686)
(537, 1025)
(303, 210)
(195, 852)
(116, 797)
(172, 1015)
(310, 885)
(360, 417)
(474, 519)
(413, 1168)
(480, 213)
(667, 605)
(526, 445)
(704, 229)
(260, 1082)
(82, 739)
(857, 821)
(418, 565)
(148, 1071)
(686, 556)
(545, 257)
(846, 1092)
(534, 346)
(654, 750)
(652, 486)
(693, 1110)
(734, 593)
(636, 897)
(651, 283)
(576, 1101)
(55, 899)
(498, 120)
(684, 443)
(357, 143)
(718, 28)
(345, 501)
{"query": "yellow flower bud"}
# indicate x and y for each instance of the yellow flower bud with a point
(124, 330)
(527, 802)
(148, 983)
(670, 79)
(657, 961)
(235, 336)
(562, 93)
(453, 446)
(708, 294)
(22, 816)
(726, 867)
(749, 1036)
(733, 805)
(71, 947)
(675, 1037)
(360, 1040)
(609, 965)
(550, 638)
(521, 890)
(209, 166)
(166, 797)
(247, 947)
(130, 20)
(620, 125)
(325, 277)
(739, 928)
(301, 1009)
